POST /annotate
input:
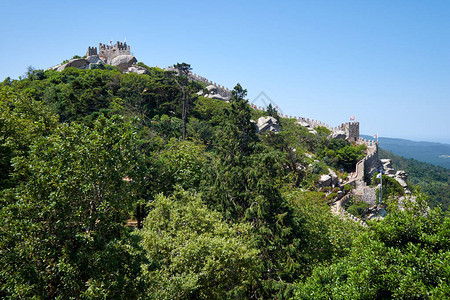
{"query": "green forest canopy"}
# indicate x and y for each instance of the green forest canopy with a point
(226, 213)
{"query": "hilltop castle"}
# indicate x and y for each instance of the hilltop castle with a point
(108, 52)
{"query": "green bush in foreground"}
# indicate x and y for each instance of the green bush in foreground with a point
(403, 257)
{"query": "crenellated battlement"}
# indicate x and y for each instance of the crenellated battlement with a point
(220, 89)
(91, 51)
(351, 129)
(108, 52)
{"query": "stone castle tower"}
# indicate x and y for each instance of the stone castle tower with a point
(108, 52)
(352, 131)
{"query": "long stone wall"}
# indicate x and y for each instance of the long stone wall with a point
(311, 122)
(366, 166)
(221, 90)
(339, 210)
(351, 128)
(371, 163)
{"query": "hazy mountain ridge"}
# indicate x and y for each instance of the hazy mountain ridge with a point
(431, 152)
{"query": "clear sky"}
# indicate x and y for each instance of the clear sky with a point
(386, 62)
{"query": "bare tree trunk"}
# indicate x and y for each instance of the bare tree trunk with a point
(184, 114)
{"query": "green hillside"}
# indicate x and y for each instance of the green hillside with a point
(124, 186)
(434, 180)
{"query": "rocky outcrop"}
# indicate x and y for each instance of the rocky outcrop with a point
(79, 63)
(340, 134)
(123, 62)
(214, 93)
(138, 70)
(308, 126)
(334, 177)
(267, 124)
(375, 212)
(90, 62)
(324, 181)
(219, 97)
(401, 182)
(328, 180)
(93, 59)
(400, 176)
(211, 88)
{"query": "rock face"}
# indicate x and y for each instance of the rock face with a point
(334, 178)
(402, 182)
(376, 212)
(340, 134)
(212, 88)
(138, 70)
(308, 126)
(77, 63)
(91, 62)
(267, 123)
(387, 163)
(302, 123)
(213, 93)
(219, 97)
(401, 174)
(123, 62)
(93, 59)
(325, 180)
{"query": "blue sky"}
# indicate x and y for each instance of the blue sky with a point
(386, 62)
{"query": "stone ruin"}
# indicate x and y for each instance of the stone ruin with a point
(118, 55)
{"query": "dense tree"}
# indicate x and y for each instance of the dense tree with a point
(194, 254)
(63, 231)
(231, 213)
(22, 120)
(183, 81)
(272, 111)
(405, 256)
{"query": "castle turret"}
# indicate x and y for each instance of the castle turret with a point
(91, 51)
(352, 131)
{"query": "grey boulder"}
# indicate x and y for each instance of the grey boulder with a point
(340, 134)
(138, 70)
(123, 62)
(268, 124)
(325, 180)
(79, 63)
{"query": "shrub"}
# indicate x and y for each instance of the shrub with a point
(326, 189)
(357, 209)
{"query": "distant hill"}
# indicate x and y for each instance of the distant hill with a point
(434, 180)
(433, 153)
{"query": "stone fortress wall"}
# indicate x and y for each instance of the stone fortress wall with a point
(351, 129)
(108, 52)
(220, 89)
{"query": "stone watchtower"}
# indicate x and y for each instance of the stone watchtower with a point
(352, 131)
(91, 51)
(108, 52)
